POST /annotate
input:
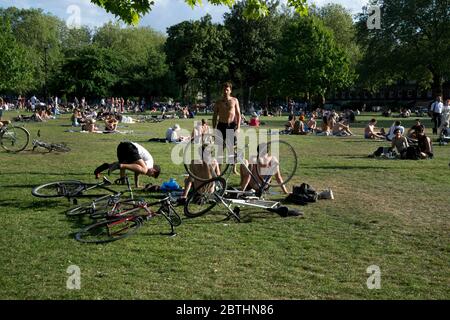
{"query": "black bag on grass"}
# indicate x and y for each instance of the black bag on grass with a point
(302, 194)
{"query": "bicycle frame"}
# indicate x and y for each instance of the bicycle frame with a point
(128, 214)
(102, 185)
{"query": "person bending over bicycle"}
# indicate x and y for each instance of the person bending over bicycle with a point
(134, 157)
(263, 167)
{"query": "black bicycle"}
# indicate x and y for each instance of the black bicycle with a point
(100, 207)
(275, 159)
(282, 155)
(72, 189)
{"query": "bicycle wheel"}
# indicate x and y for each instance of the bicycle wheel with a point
(171, 215)
(14, 139)
(202, 153)
(109, 230)
(204, 197)
(56, 189)
(275, 156)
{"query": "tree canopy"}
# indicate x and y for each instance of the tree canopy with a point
(412, 44)
(309, 61)
(130, 11)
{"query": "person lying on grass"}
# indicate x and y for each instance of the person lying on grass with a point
(134, 157)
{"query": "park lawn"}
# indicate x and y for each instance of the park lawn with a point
(389, 213)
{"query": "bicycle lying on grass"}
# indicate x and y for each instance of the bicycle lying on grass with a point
(214, 190)
(99, 207)
(72, 189)
(12, 138)
(125, 217)
(59, 147)
(119, 217)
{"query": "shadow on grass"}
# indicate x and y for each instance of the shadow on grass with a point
(348, 167)
(49, 204)
(53, 173)
(364, 140)
(147, 228)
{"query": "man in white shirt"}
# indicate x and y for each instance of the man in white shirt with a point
(172, 134)
(391, 133)
(33, 102)
(134, 157)
(436, 110)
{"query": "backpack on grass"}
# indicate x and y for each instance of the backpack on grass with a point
(302, 194)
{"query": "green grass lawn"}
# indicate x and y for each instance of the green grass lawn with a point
(393, 214)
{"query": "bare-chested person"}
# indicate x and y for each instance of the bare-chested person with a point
(227, 114)
(370, 133)
(263, 166)
(227, 111)
(208, 169)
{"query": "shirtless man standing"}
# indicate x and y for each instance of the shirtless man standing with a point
(228, 112)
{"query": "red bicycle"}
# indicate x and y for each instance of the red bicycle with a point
(125, 217)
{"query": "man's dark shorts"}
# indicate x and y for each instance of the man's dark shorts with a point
(223, 127)
(127, 153)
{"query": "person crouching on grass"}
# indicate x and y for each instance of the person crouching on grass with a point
(134, 157)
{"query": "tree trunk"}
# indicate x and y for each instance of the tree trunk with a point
(246, 95)
(208, 94)
(436, 87)
(183, 93)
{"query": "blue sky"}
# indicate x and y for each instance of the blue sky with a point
(164, 14)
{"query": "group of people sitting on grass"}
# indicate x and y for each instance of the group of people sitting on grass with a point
(39, 115)
(333, 124)
(413, 144)
(88, 118)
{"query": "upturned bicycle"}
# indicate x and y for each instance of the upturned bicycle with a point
(213, 191)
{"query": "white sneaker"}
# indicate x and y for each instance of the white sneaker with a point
(326, 194)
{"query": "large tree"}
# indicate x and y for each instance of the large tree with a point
(253, 44)
(142, 57)
(16, 70)
(197, 53)
(91, 72)
(309, 61)
(412, 44)
(130, 11)
(340, 21)
(39, 35)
